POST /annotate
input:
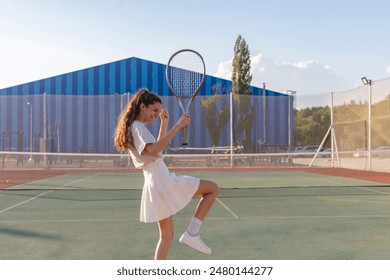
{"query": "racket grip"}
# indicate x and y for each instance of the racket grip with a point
(184, 136)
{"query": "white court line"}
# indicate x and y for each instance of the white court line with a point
(209, 218)
(23, 202)
(39, 195)
(373, 190)
(325, 217)
(34, 182)
(227, 208)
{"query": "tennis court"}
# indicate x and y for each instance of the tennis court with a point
(286, 214)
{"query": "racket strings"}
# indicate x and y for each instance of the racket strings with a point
(185, 73)
(185, 83)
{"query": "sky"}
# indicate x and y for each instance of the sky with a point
(311, 47)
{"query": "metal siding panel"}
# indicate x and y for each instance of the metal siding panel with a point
(128, 81)
(36, 88)
(3, 118)
(95, 124)
(39, 122)
(292, 120)
(144, 74)
(150, 76)
(101, 80)
(139, 76)
(49, 115)
(95, 88)
(208, 83)
(85, 81)
(90, 121)
(111, 74)
(22, 123)
(133, 75)
(104, 135)
(63, 84)
(62, 122)
(155, 79)
(268, 121)
(258, 117)
(117, 87)
(53, 85)
(74, 84)
(14, 118)
(69, 85)
(84, 121)
(256, 91)
(57, 118)
(272, 120)
(73, 124)
(278, 113)
(283, 120)
(88, 82)
(25, 89)
(68, 127)
(101, 118)
(165, 89)
(9, 112)
(51, 110)
(106, 80)
(79, 125)
(46, 86)
(122, 76)
(58, 85)
(79, 82)
(111, 124)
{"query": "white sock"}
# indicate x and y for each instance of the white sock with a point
(194, 226)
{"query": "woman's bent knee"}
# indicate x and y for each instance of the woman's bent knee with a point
(207, 187)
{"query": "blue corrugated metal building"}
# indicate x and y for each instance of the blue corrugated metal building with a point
(81, 108)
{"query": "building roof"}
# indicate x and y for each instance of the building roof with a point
(118, 77)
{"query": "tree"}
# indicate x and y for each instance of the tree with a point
(241, 80)
(311, 125)
(241, 76)
(216, 119)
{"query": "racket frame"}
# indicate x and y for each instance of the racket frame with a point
(190, 97)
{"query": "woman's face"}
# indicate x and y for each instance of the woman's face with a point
(150, 113)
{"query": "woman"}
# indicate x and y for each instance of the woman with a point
(164, 193)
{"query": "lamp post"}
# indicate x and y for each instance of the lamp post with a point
(31, 129)
(369, 83)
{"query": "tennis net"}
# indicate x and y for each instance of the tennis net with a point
(187, 157)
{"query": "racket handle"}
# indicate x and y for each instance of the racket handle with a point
(184, 136)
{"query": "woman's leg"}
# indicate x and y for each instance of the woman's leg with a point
(208, 190)
(166, 229)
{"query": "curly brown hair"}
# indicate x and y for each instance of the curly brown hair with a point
(123, 140)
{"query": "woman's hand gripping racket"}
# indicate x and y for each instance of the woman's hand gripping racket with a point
(185, 75)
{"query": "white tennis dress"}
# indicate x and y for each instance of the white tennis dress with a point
(164, 193)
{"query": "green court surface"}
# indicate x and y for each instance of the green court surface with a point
(258, 215)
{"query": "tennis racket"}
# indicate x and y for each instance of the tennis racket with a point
(185, 75)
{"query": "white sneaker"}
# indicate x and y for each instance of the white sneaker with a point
(195, 243)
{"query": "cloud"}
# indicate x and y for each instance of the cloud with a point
(388, 70)
(307, 78)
